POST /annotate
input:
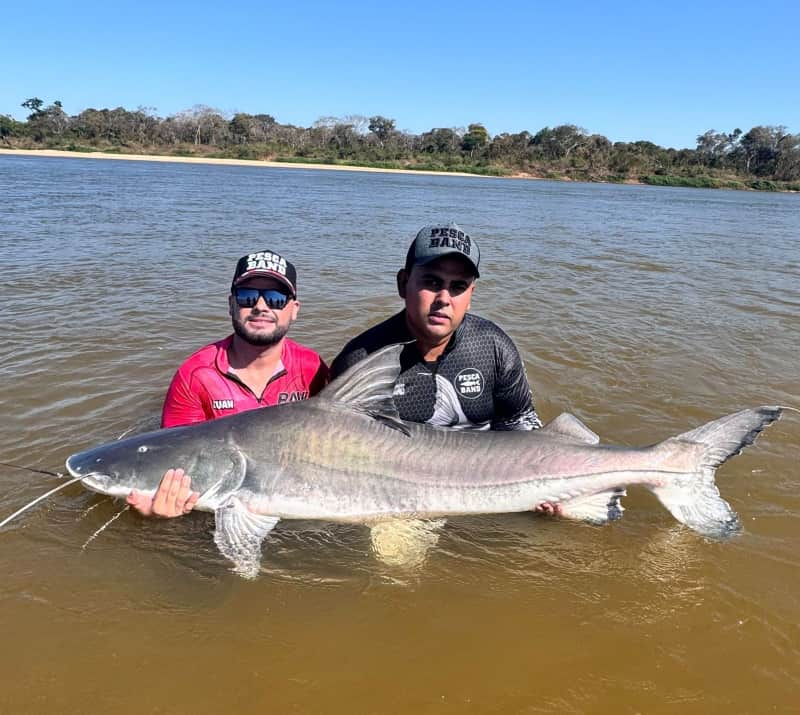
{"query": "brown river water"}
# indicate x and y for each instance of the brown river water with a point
(644, 311)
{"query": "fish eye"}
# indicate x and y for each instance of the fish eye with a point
(142, 449)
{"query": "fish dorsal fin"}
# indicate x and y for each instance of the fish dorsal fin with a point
(368, 385)
(570, 427)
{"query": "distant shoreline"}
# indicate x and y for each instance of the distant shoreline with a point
(654, 181)
(59, 153)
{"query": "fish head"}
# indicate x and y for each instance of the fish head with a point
(140, 462)
(117, 467)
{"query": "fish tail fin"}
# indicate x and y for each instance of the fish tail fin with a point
(692, 497)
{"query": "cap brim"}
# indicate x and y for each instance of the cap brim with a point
(265, 274)
(425, 260)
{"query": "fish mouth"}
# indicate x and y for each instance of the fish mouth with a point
(75, 470)
(104, 484)
(96, 481)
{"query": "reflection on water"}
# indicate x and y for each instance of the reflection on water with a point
(645, 312)
(405, 544)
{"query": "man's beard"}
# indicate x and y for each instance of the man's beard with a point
(272, 338)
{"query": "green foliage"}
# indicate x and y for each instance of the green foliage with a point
(765, 158)
(303, 160)
(476, 138)
(732, 184)
(72, 146)
(34, 104)
(440, 141)
(763, 185)
(372, 164)
(381, 127)
(429, 166)
(698, 182)
(10, 127)
(254, 152)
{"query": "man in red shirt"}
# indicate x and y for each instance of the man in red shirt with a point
(256, 366)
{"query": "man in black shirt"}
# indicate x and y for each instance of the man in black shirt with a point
(460, 371)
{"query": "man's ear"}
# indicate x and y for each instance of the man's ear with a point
(295, 309)
(402, 282)
(231, 304)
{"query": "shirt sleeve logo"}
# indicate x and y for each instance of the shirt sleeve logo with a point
(296, 396)
(469, 383)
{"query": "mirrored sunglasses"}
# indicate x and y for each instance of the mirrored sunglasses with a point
(248, 297)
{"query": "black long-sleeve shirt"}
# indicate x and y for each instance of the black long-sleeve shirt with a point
(479, 381)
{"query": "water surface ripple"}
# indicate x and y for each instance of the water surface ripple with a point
(643, 311)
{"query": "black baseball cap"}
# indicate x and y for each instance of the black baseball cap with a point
(445, 239)
(266, 263)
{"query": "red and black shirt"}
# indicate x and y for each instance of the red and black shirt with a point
(205, 387)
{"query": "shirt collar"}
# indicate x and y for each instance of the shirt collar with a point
(406, 335)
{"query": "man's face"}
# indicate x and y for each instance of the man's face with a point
(437, 298)
(260, 324)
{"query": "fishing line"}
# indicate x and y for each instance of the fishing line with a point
(38, 499)
(31, 469)
(103, 527)
(93, 506)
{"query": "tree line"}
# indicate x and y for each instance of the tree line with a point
(764, 157)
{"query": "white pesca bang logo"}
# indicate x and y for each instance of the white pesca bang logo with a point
(266, 261)
(469, 383)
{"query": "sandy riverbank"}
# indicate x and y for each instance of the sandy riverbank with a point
(227, 162)
(731, 185)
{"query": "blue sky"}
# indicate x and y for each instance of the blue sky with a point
(655, 70)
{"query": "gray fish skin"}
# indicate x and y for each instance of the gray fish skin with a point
(346, 456)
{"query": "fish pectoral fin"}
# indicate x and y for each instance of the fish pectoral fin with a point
(229, 481)
(404, 542)
(570, 427)
(595, 508)
(210, 497)
(239, 533)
